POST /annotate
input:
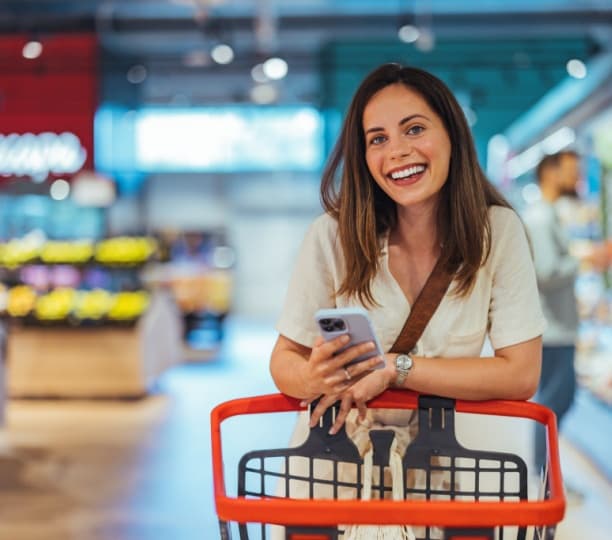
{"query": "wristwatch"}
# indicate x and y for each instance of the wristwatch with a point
(403, 365)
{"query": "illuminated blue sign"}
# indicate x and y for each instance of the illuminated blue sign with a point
(228, 139)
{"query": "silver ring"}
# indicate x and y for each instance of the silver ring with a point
(347, 374)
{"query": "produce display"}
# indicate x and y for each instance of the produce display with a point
(128, 305)
(93, 305)
(67, 303)
(17, 252)
(20, 300)
(74, 281)
(55, 305)
(54, 252)
(125, 250)
(121, 250)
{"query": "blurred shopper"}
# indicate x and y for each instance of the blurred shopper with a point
(403, 191)
(558, 176)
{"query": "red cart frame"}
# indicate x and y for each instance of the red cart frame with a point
(453, 514)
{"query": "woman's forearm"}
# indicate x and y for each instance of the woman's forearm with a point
(288, 371)
(513, 373)
(470, 378)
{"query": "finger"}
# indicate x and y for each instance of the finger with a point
(307, 401)
(319, 410)
(348, 375)
(339, 377)
(345, 408)
(318, 341)
(325, 349)
(363, 410)
(352, 353)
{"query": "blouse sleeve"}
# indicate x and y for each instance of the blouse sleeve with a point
(312, 283)
(515, 314)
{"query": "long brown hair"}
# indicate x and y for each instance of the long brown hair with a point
(364, 211)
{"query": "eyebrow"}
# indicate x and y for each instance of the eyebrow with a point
(400, 123)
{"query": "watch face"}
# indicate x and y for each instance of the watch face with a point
(404, 362)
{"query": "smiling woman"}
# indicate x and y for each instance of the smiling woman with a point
(410, 197)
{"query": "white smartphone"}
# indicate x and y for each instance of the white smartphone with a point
(355, 322)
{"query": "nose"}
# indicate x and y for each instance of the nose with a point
(400, 149)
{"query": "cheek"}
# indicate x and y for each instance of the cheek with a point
(440, 152)
(372, 163)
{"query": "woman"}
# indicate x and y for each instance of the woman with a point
(411, 191)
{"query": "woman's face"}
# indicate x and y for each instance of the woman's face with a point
(407, 147)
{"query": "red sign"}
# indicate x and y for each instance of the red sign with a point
(48, 97)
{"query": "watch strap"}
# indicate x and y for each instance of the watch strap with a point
(402, 372)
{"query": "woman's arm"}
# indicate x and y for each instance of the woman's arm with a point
(306, 373)
(513, 373)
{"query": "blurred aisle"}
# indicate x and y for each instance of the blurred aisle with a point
(140, 470)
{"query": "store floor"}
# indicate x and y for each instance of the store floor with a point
(140, 469)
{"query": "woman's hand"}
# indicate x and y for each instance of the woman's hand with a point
(370, 384)
(326, 374)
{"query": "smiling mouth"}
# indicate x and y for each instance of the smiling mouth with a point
(408, 173)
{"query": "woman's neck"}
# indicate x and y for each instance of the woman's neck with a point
(416, 230)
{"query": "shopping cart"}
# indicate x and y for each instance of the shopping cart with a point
(466, 508)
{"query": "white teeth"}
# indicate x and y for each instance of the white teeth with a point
(407, 172)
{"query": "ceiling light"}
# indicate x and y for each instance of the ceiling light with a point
(32, 49)
(59, 190)
(576, 68)
(222, 54)
(408, 33)
(275, 68)
(258, 75)
(137, 74)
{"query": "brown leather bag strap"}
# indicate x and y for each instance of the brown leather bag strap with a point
(424, 307)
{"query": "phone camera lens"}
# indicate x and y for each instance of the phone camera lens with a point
(339, 324)
(328, 328)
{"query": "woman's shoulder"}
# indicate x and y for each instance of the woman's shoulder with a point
(323, 230)
(325, 222)
(503, 219)
(324, 225)
(501, 214)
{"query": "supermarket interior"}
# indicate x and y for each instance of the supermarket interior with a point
(160, 163)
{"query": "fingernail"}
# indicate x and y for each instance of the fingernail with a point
(345, 338)
(331, 432)
(303, 404)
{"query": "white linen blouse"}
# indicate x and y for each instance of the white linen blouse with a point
(503, 304)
